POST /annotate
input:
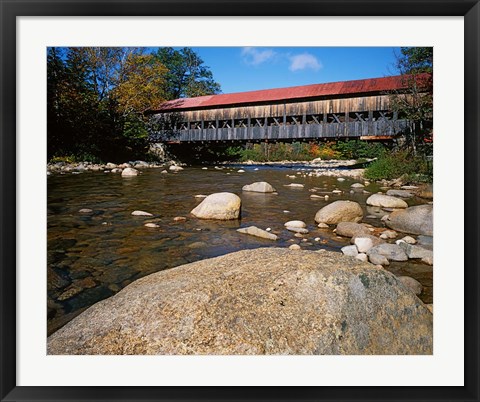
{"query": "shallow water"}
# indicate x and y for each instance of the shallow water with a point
(92, 256)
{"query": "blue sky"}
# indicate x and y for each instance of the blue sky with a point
(239, 69)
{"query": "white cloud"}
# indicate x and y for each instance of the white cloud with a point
(304, 61)
(254, 57)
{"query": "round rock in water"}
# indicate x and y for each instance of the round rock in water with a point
(129, 172)
(296, 224)
(339, 211)
(351, 229)
(414, 220)
(321, 304)
(386, 201)
(259, 187)
(220, 206)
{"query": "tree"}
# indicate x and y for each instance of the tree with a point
(415, 104)
(187, 75)
(97, 97)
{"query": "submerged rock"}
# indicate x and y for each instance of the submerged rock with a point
(221, 206)
(238, 304)
(254, 231)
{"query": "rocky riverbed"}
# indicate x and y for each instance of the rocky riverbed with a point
(109, 225)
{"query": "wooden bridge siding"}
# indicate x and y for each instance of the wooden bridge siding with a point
(300, 131)
(359, 104)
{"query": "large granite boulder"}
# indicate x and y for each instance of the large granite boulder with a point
(339, 211)
(259, 187)
(415, 220)
(263, 301)
(221, 206)
(386, 201)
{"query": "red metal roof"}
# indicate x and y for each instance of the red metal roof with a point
(300, 92)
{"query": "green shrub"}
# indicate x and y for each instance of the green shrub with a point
(400, 164)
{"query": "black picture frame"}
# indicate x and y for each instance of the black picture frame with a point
(9, 10)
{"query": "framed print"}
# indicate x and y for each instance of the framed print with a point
(239, 200)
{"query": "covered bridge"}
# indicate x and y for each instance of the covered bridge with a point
(348, 109)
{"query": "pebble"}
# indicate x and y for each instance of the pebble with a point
(298, 235)
(164, 172)
(337, 192)
(340, 179)
(357, 185)
(179, 219)
(268, 229)
(204, 168)
(286, 212)
(200, 196)
(323, 225)
(317, 239)
(409, 240)
(141, 213)
(151, 225)
(85, 211)
(241, 171)
(388, 234)
(295, 247)
(254, 231)
(295, 185)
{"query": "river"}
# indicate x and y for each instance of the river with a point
(93, 255)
